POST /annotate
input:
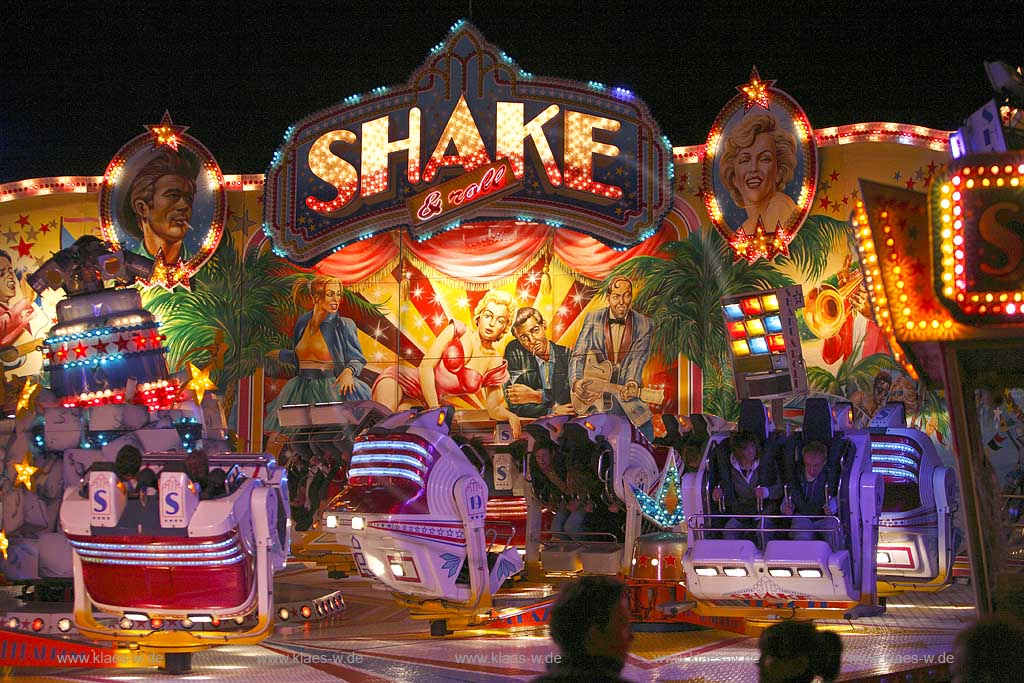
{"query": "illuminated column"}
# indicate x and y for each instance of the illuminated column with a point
(331, 168)
(512, 133)
(580, 148)
(377, 147)
(461, 131)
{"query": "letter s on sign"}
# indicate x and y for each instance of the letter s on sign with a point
(99, 501)
(171, 503)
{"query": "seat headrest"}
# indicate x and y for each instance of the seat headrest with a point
(818, 425)
(671, 424)
(754, 418)
(698, 425)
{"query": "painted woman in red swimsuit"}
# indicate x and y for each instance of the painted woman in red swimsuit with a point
(457, 364)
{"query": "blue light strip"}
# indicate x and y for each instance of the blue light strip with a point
(384, 472)
(896, 446)
(159, 547)
(368, 459)
(161, 556)
(376, 446)
(893, 472)
(895, 460)
(166, 563)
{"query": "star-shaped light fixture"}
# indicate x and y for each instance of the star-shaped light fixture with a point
(168, 276)
(761, 244)
(756, 90)
(165, 133)
(25, 470)
(26, 400)
(665, 508)
(200, 382)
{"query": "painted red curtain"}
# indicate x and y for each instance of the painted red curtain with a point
(487, 252)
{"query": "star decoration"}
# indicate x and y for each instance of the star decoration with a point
(200, 382)
(167, 276)
(22, 220)
(27, 396)
(80, 350)
(4, 543)
(24, 248)
(756, 90)
(761, 244)
(32, 233)
(25, 470)
(664, 505)
(166, 133)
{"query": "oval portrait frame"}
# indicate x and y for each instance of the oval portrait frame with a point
(726, 214)
(209, 209)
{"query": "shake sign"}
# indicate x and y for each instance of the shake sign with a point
(472, 135)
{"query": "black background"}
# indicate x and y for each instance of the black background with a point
(79, 79)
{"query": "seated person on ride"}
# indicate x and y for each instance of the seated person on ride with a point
(810, 494)
(750, 486)
(569, 487)
(197, 467)
(127, 465)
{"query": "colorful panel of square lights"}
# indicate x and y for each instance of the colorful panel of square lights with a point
(754, 326)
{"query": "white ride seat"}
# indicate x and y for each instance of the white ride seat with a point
(601, 558)
(561, 558)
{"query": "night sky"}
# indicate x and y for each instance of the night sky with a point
(79, 79)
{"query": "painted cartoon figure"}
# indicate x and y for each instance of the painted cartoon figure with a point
(161, 196)
(538, 369)
(759, 161)
(460, 364)
(621, 336)
(327, 352)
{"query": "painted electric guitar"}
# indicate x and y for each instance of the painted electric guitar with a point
(9, 354)
(596, 383)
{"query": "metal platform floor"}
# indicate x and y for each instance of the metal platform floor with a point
(373, 640)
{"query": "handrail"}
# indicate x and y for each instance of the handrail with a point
(491, 531)
(699, 530)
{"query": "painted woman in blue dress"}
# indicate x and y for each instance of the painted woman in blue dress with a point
(327, 353)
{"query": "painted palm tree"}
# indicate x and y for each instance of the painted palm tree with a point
(681, 294)
(817, 240)
(853, 374)
(230, 318)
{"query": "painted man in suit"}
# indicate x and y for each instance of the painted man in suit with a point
(538, 368)
(622, 336)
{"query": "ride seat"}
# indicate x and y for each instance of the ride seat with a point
(806, 554)
(601, 558)
(562, 557)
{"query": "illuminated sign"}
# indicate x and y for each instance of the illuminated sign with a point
(764, 342)
(977, 213)
(585, 156)
(460, 196)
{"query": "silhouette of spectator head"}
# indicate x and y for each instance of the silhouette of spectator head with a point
(796, 652)
(988, 651)
(591, 618)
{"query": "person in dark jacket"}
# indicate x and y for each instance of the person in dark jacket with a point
(590, 623)
(747, 483)
(811, 494)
